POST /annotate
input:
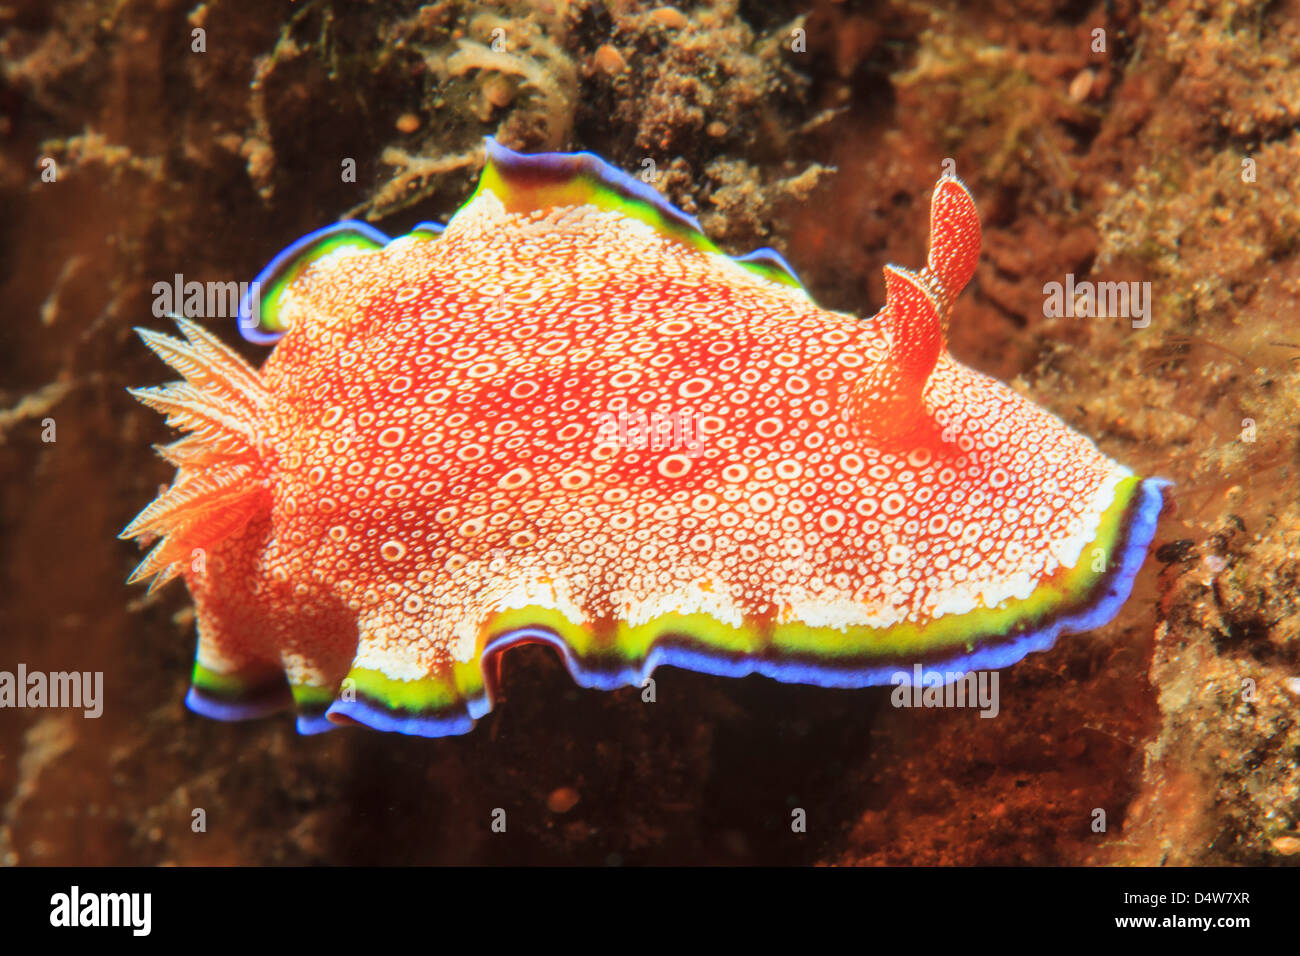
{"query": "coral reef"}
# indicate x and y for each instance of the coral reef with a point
(1166, 153)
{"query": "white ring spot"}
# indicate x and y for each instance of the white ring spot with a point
(919, 457)
(695, 387)
(831, 520)
(893, 503)
(516, 478)
(674, 466)
(575, 479)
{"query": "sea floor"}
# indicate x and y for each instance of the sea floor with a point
(1163, 150)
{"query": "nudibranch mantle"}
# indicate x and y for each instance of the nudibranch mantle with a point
(447, 454)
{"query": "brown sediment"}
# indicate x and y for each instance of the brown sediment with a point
(1178, 720)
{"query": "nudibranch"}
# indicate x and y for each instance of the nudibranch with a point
(432, 466)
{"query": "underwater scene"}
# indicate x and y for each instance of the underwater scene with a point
(800, 433)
